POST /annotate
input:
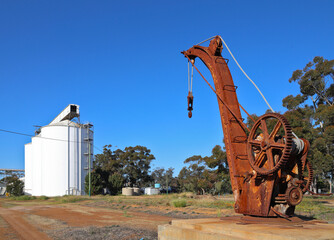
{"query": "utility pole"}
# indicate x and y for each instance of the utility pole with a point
(167, 183)
(89, 161)
(90, 182)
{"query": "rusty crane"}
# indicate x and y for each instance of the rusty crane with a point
(268, 168)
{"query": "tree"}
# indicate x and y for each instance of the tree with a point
(164, 177)
(311, 114)
(206, 174)
(184, 180)
(97, 183)
(109, 161)
(158, 175)
(218, 163)
(136, 165)
(115, 183)
(14, 186)
(314, 82)
(217, 160)
(118, 167)
(195, 176)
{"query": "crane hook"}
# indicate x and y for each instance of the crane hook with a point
(190, 103)
(190, 88)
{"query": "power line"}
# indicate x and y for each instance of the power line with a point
(98, 148)
(55, 139)
(3, 130)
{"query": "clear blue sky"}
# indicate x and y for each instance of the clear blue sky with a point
(121, 62)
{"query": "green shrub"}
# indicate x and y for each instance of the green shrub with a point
(24, 197)
(96, 183)
(115, 183)
(71, 199)
(43, 198)
(179, 203)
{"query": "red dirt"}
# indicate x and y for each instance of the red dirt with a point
(19, 223)
(80, 216)
(23, 229)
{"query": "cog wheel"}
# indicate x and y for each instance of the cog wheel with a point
(307, 177)
(269, 143)
(293, 195)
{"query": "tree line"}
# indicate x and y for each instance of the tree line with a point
(114, 169)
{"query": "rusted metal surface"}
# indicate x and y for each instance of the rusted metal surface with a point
(266, 163)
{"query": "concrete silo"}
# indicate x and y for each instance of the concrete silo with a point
(57, 159)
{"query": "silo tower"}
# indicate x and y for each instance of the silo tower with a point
(57, 159)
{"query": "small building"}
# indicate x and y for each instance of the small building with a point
(151, 191)
(131, 191)
(58, 156)
(2, 188)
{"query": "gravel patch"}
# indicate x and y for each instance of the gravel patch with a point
(6, 232)
(99, 233)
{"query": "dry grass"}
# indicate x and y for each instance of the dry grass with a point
(317, 207)
(176, 200)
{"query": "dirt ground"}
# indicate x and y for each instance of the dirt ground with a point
(73, 221)
(96, 219)
(121, 218)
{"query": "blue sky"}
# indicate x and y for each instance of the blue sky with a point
(121, 62)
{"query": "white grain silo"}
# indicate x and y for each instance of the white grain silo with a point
(57, 159)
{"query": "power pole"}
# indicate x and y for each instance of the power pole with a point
(167, 183)
(88, 140)
(89, 176)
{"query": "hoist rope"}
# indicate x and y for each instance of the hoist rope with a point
(192, 77)
(241, 70)
(188, 78)
(228, 49)
(242, 124)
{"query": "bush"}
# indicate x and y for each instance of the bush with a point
(96, 183)
(43, 198)
(115, 183)
(223, 186)
(24, 198)
(179, 203)
(15, 187)
(71, 199)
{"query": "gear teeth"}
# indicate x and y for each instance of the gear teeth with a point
(286, 151)
(293, 201)
(306, 187)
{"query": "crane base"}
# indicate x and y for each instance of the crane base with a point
(240, 227)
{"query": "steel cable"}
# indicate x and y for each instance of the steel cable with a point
(228, 49)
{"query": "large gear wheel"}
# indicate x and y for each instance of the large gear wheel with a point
(307, 177)
(269, 143)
